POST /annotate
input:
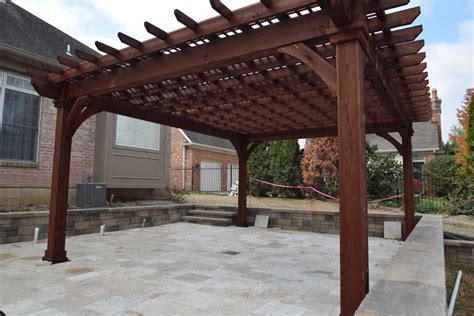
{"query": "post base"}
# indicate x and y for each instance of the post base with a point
(55, 257)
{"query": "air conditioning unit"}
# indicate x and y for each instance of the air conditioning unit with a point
(91, 194)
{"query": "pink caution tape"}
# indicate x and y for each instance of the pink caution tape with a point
(318, 191)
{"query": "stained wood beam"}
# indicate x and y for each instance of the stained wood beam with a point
(130, 41)
(51, 68)
(107, 49)
(395, 19)
(404, 61)
(87, 56)
(340, 11)
(249, 45)
(320, 132)
(220, 8)
(242, 17)
(42, 85)
(353, 237)
(156, 31)
(379, 6)
(398, 146)
(408, 190)
(398, 36)
(128, 109)
(401, 49)
(68, 62)
(266, 3)
(325, 70)
(186, 20)
(407, 71)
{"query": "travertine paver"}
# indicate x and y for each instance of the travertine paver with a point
(182, 269)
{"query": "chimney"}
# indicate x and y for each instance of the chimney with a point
(436, 119)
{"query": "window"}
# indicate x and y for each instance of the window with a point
(136, 133)
(19, 116)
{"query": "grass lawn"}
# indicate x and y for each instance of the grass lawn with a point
(266, 202)
(465, 301)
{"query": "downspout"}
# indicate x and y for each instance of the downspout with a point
(184, 167)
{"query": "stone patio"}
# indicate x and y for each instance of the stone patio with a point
(183, 269)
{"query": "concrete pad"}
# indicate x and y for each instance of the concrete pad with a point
(392, 230)
(183, 269)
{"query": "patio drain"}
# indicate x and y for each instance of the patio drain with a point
(230, 252)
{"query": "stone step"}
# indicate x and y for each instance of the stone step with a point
(207, 220)
(212, 213)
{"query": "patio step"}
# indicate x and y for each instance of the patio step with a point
(215, 221)
(212, 213)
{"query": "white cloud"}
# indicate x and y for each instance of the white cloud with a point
(71, 18)
(451, 71)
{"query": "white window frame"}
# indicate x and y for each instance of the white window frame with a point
(136, 148)
(3, 87)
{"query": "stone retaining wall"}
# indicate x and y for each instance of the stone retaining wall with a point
(325, 222)
(414, 282)
(15, 227)
(459, 250)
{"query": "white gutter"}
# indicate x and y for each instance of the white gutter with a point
(213, 148)
(28, 55)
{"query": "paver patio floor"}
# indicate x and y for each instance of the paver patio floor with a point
(182, 269)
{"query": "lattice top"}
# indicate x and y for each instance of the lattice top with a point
(235, 75)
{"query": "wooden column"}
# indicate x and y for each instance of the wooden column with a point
(354, 270)
(241, 148)
(56, 251)
(243, 151)
(408, 190)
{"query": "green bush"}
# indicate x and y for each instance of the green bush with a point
(441, 172)
(258, 165)
(285, 161)
(431, 205)
(177, 195)
(384, 173)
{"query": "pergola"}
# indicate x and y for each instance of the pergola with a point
(274, 70)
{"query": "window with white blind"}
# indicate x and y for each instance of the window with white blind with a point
(19, 118)
(136, 133)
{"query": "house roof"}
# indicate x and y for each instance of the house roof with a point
(425, 138)
(207, 140)
(24, 31)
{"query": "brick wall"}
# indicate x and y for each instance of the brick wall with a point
(176, 159)
(194, 156)
(223, 158)
(38, 175)
(459, 250)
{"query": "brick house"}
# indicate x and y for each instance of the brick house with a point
(427, 139)
(201, 162)
(126, 154)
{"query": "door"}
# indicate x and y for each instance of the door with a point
(210, 176)
(232, 175)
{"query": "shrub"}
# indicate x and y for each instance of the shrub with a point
(431, 205)
(258, 165)
(177, 195)
(384, 173)
(441, 172)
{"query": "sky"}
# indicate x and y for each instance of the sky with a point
(448, 31)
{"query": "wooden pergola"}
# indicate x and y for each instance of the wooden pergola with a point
(274, 70)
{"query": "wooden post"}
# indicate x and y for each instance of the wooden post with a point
(354, 270)
(56, 251)
(408, 190)
(242, 197)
